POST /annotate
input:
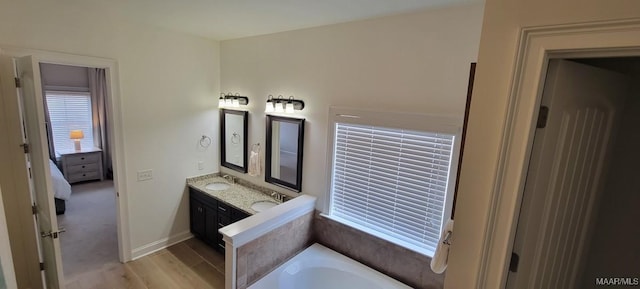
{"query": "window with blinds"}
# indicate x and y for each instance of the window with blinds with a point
(392, 182)
(70, 111)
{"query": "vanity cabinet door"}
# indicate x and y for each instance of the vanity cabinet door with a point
(198, 222)
(211, 228)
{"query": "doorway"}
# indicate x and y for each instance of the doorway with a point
(74, 101)
(29, 83)
(576, 224)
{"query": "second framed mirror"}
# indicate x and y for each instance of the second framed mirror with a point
(233, 139)
(284, 147)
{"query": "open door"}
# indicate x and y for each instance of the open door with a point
(580, 109)
(37, 161)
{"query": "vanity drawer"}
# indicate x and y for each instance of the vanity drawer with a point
(83, 176)
(223, 221)
(237, 215)
(224, 210)
(82, 168)
(79, 159)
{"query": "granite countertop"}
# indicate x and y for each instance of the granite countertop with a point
(236, 195)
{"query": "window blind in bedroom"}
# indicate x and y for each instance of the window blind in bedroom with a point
(70, 111)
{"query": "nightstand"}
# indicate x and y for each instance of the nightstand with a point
(83, 165)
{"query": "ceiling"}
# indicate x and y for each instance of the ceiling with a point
(228, 19)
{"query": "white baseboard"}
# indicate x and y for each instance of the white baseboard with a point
(153, 247)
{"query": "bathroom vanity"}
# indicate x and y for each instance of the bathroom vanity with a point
(214, 202)
(208, 214)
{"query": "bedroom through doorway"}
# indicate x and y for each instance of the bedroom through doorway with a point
(75, 102)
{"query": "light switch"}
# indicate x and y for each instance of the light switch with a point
(145, 175)
(200, 165)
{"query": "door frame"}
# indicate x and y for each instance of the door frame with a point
(115, 125)
(537, 45)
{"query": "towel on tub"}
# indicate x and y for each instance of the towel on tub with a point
(441, 256)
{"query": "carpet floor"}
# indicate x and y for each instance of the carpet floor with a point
(90, 241)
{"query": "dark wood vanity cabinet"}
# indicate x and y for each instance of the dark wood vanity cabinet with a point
(209, 214)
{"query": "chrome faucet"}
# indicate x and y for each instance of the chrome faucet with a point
(229, 178)
(278, 196)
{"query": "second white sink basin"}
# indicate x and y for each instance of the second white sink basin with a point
(217, 186)
(263, 205)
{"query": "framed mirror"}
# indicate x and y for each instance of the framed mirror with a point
(233, 139)
(284, 146)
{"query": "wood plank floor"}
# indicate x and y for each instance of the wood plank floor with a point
(190, 264)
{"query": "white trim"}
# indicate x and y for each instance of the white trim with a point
(156, 246)
(537, 45)
(115, 116)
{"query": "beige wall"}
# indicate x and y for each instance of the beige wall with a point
(614, 248)
(415, 63)
(169, 84)
(502, 22)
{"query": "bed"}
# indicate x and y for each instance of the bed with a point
(61, 188)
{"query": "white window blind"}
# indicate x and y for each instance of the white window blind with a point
(392, 182)
(70, 111)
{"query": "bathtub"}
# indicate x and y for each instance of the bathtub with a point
(319, 267)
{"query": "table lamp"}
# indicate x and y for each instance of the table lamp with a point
(76, 136)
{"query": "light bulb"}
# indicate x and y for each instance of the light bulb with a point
(289, 107)
(236, 102)
(279, 107)
(228, 102)
(221, 102)
(269, 107)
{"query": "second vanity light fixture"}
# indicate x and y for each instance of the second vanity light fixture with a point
(228, 100)
(282, 105)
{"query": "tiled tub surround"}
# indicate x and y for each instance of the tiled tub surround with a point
(258, 244)
(260, 256)
(237, 195)
(392, 260)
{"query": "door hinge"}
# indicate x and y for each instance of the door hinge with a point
(18, 84)
(34, 209)
(41, 266)
(543, 115)
(513, 266)
(25, 148)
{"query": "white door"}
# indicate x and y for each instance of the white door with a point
(30, 94)
(565, 173)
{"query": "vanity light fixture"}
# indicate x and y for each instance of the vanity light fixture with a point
(233, 101)
(270, 104)
(282, 105)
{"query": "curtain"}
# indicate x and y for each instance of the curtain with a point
(98, 89)
(47, 121)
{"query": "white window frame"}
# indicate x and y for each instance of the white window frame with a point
(446, 124)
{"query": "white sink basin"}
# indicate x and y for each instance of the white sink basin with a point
(263, 205)
(217, 186)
